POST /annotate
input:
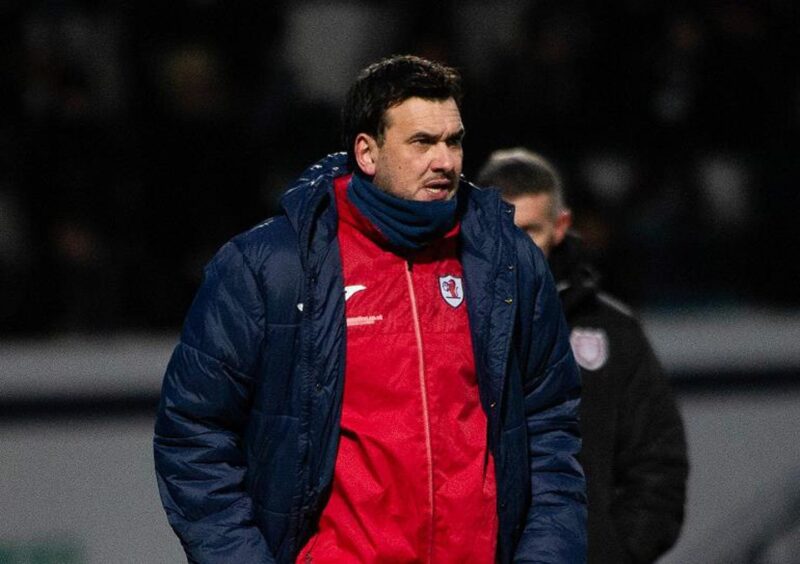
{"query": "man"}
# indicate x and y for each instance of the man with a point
(383, 372)
(634, 451)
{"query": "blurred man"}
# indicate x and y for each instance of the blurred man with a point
(634, 451)
(382, 373)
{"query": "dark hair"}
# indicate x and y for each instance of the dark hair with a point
(518, 172)
(388, 83)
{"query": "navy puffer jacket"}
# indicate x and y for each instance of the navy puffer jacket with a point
(248, 424)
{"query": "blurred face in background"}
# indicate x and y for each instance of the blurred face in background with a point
(419, 154)
(536, 215)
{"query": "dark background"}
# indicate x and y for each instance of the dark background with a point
(137, 137)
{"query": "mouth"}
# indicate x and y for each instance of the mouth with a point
(439, 189)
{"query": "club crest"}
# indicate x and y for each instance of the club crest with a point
(590, 347)
(452, 290)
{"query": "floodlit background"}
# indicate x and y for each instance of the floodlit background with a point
(137, 137)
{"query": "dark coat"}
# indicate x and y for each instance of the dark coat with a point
(634, 449)
(248, 424)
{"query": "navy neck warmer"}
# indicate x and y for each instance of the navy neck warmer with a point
(407, 224)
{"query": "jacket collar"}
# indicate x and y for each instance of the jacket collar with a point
(308, 197)
(308, 205)
(489, 264)
(576, 279)
(308, 192)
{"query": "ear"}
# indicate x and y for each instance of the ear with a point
(563, 223)
(365, 150)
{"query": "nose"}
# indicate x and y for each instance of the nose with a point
(445, 158)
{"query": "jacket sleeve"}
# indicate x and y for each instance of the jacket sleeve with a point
(555, 531)
(651, 463)
(205, 400)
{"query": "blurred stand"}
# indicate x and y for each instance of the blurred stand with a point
(138, 137)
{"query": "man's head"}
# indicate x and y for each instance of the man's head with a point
(402, 127)
(534, 186)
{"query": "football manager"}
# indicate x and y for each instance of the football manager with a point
(381, 373)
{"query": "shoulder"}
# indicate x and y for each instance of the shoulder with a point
(612, 312)
(615, 307)
(266, 252)
(599, 308)
(603, 310)
(271, 236)
(495, 217)
(278, 236)
(611, 325)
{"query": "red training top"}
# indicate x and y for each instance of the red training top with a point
(414, 480)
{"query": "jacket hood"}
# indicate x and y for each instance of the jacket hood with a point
(302, 199)
(575, 277)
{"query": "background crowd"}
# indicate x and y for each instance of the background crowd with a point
(137, 137)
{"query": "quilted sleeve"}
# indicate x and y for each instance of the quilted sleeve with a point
(555, 530)
(205, 401)
(651, 466)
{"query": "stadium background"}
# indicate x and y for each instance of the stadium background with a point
(138, 136)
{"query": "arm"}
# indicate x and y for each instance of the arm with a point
(205, 400)
(651, 467)
(555, 531)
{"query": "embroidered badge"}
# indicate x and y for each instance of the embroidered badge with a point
(451, 289)
(590, 347)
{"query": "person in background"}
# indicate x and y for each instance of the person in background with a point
(634, 449)
(383, 372)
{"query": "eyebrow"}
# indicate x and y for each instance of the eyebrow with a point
(458, 135)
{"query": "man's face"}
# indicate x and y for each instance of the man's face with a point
(535, 215)
(420, 155)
